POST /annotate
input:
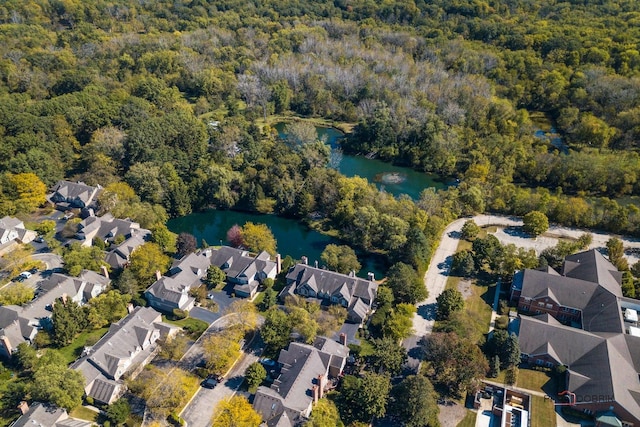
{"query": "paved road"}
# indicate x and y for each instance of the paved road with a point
(199, 411)
(508, 232)
(51, 260)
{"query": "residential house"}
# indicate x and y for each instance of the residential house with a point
(46, 415)
(355, 294)
(574, 318)
(123, 351)
(12, 230)
(120, 256)
(305, 374)
(67, 195)
(171, 291)
(107, 228)
(244, 271)
(20, 324)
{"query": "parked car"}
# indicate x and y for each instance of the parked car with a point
(268, 362)
(210, 382)
(68, 215)
(25, 274)
(39, 239)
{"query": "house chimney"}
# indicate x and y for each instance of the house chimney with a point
(278, 263)
(24, 407)
(320, 386)
(304, 260)
(352, 273)
(315, 394)
(343, 338)
(130, 308)
(315, 263)
(158, 275)
(371, 276)
(105, 272)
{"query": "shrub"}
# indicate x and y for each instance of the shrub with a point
(89, 400)
(503, 309)
(511, 375)
(502, 322)
(180, 314)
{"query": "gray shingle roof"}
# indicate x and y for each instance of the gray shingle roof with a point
(359, 293)
(601, 359)
(301, 366)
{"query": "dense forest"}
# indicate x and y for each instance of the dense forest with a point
(175, 99)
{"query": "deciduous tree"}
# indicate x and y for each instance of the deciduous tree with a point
(340, 258)
(449, 301)
(254, 375)
(535, 223)
(258, 237)
(414, 402)
(16, 294)
(455, 363)
(407, 286)
(235, 412)
(186, 244)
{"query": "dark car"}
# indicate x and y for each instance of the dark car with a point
(210, 382)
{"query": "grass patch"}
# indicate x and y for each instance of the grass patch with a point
(84, 414)
(535, 380)
(452, 282)
(72, 351)
(469, 420)
(189, 388)
(543, 412)
(194, 327)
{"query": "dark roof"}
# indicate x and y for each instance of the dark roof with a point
(591, 266)
(301, 366)
(601, 359)
(40, 414)
(333, 283)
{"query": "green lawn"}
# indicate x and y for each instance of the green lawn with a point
(84, 414)
(189, 324)
(74, 350)
(533, 380)
(469, 420)
(542, 412)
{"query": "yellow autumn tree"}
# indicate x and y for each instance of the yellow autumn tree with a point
(26, 190)
(235, 412)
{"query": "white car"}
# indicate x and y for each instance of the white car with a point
(25, 274)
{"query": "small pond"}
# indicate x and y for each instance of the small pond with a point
(390, 178)
(293, 237)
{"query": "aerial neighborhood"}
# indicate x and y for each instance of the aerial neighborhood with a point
(319, 213)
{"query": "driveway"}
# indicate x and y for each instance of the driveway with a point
(52, 261)
(204, 314)
(199, 411)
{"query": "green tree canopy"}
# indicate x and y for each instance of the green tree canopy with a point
(414, 402)
(340, 258)
(407, 286)
(448, 301)
(535, 223)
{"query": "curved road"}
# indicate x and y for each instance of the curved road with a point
(436, 277)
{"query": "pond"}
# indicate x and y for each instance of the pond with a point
(390, 178)
(543, 129)
(294, 238)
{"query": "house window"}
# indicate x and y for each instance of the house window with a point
(549, 305)
(541, 304)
